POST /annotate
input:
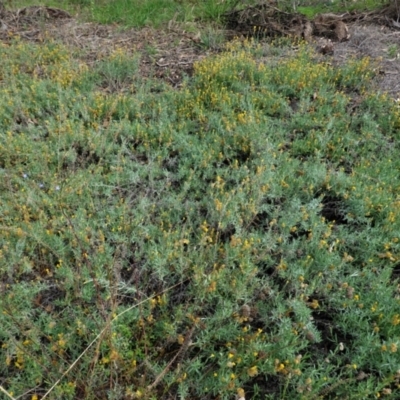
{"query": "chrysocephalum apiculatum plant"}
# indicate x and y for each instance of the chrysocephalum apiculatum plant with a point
(236, 237)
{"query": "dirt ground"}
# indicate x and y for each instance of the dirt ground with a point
(170, 54)
(380, 43)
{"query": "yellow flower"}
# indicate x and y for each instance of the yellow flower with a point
(314, 304)
(241, 393)
(280, 367)
(181, 339)
(252, 371)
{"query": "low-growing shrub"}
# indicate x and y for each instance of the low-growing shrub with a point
(238, 236)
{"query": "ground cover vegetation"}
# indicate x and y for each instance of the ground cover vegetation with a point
(248, 225)
(236, 237)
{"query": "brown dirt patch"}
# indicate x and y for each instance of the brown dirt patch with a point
(265, 19)
(380, 43)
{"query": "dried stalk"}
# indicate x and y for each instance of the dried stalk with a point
(179, 354)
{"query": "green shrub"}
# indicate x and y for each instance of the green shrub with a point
(237, 236)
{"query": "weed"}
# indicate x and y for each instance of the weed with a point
(393, 51)
(212, 38)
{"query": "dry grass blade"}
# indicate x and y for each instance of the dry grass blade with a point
(179, 354)
(100, 334)
(6, 393)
